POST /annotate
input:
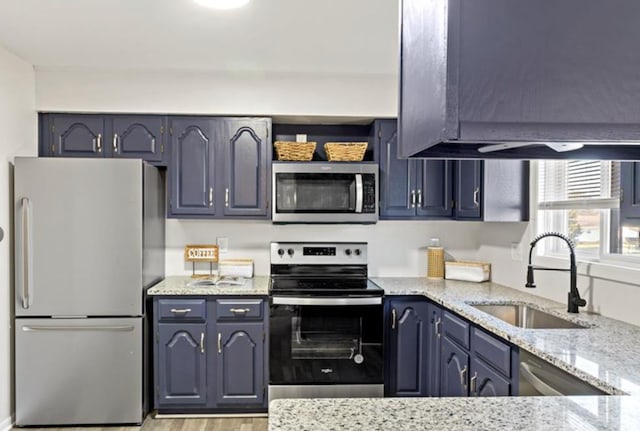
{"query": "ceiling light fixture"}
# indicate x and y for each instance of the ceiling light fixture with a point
(222, 4)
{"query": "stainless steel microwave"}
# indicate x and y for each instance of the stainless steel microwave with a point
(318, 192)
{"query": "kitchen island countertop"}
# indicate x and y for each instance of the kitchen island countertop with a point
(177, 285)
(588, 413)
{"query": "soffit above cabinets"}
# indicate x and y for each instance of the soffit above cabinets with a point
(266, 36)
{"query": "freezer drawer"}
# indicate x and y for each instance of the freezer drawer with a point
(78, 371)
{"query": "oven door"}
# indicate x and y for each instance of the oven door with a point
(324, 341)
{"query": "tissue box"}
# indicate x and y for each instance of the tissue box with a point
(467, 271)
(236, 267)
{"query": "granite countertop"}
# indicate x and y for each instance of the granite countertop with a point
(456, 414)
(604, 355)
(178, 285)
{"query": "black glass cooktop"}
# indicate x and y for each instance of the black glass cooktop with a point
(324, 286)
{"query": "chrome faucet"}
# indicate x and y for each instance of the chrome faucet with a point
(574, 300)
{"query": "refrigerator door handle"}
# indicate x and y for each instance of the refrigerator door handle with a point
(111, 328)
(24, 254)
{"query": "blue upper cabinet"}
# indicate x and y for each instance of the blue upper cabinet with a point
(93, 135)
(220, 167)
(475, 73)
(247, 167)
(630, 193)
(76, 136)
(492, 190)
(138, 137)
(192, 171)
(410, 189)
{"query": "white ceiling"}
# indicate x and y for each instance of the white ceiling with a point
(299, 36)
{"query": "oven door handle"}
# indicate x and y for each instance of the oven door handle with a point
(289, 300)
(359, 193)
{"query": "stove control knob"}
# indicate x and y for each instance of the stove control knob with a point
(280, 252)
(348, 252)
(290, 252)
(357, 251)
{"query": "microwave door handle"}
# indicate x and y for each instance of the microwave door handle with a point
(359, 193)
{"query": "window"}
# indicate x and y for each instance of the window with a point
(579, 198)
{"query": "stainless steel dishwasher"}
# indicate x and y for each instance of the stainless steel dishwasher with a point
(540, 378)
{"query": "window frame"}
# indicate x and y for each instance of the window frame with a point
(609, 266)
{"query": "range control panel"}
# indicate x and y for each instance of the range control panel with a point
(310, 253)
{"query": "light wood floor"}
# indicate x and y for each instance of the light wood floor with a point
(200, 424)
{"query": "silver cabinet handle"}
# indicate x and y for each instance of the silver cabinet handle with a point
(413, 198)
(25, 253)
(202, 342)
(226, 197)
(239, 310)
(463, 376)
(210, 196)
(219, 342)
(473, 382)
(180, 311)
(393, 318)
(99, 142)
(115, 142)
(419, 198)
(476, 192)
(437, 326)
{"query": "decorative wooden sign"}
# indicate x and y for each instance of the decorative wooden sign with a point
(201, 253)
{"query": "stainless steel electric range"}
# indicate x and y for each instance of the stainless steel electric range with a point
(325, 320)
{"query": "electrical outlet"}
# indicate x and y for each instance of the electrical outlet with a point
(516, 251)
(223, 244)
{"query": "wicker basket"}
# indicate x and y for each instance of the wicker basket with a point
(345, 151)
(294, 150)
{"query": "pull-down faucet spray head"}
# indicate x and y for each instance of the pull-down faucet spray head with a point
(530, 282)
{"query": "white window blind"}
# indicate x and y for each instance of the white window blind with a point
(578, 184)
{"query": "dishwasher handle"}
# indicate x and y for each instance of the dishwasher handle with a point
(527, 374)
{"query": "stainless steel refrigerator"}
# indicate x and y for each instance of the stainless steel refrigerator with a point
(89, 239)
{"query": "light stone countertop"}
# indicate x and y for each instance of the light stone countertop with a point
(589, 413)
(606, 355)
(178, 285)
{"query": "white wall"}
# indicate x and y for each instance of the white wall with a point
(395, 248)
(18, 125)
(215, 93)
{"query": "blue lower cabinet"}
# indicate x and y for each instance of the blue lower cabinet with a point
(454, 370)
(181, 365)
(208, 366)
(409, 348)
(240, 366)
(486, 382)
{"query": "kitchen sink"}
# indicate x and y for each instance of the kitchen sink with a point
(526, 316)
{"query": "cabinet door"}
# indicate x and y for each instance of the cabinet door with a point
(247, 167)
(397, 176)
(409, 348)
(435, 346)
(240, 376)
(454, 370)
(630, 185)
(182, 359)
(78, 135)
(486, 382)
(192, 169)
(468, 189)
(435, 188)
(138, 137)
